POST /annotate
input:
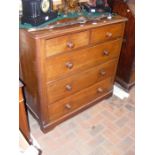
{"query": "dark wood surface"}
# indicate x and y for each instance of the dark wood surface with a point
(74, 74)
(23, 120)
(126, 66)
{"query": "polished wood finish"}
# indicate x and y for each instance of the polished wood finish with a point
(66, 43)
(107, 33)
(52, 124)
(74, 83)
(66, 71)
(80, 60)
(71, 103)
(23, 120)
(126, 72)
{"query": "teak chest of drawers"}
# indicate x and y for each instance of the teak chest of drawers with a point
(67, 70)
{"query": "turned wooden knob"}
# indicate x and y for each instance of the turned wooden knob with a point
(70, 44)
(127, 10)
(100, 90)
(68, 87)
(102, 72)
(108, 35)
(105, 53)
(68, 106)
(69, 65)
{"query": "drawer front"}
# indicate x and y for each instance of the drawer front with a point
(66, 43)
(73, 102)
(107, 32)
(72, 84)
(69, 63)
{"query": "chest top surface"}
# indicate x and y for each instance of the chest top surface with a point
(45, 34)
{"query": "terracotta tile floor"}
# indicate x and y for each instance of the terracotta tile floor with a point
(104, 129)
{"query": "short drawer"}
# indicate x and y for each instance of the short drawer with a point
(74, 83)
(78, 100)
(66, 43)
(107, 32)
(68, 63)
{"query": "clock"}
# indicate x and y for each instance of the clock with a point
(45, 5)
(36, 12)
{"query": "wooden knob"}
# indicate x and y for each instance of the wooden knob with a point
(105, 53)
(108, 34)
(99, 90)
(102, 72)
(69, 65)
(68, 106)
(70, 44)
(127, 10)
(68, 87)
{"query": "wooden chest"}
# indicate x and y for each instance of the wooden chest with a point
(67, 70)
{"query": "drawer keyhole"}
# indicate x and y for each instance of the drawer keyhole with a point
(68, 87)
(68, 106)
(70, 44)
(69, 65)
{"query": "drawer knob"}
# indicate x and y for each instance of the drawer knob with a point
(68, 87)
(105, 53)
(68, 106)
(69, 65)
(108, 35)
(102, 72)
(70, 44)
(100, 90)
(128, 10)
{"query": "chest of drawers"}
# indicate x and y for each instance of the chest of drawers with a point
(67, 70)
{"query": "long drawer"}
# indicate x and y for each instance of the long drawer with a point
(107, 33)
(68, 63)
(72, 84)
(66, 43)
(78, 100)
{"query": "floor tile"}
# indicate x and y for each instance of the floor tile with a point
(107, 128)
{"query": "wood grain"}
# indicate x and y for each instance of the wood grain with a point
(79, 99)
(81, 59)
(107, 32)
(75, 63)
(58, 90)
(127, 57)
(66, 43)
(23, 120)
